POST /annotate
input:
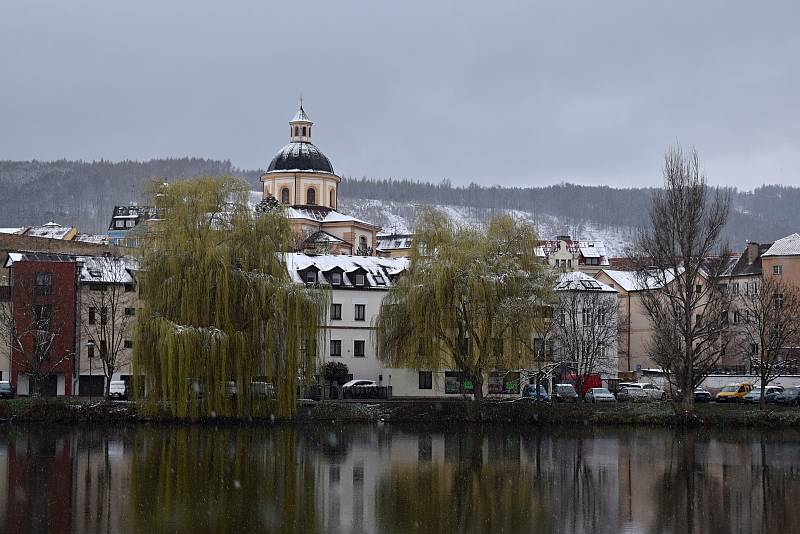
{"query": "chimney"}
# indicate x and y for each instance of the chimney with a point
(753, 252)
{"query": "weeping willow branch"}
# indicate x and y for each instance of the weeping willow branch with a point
(219, 305)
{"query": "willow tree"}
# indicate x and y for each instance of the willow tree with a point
(219, 307)
(468, 301)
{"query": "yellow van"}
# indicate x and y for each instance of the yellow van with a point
(734, 392)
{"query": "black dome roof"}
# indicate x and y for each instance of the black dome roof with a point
(300, 157)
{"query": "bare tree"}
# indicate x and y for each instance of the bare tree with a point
(109, 313)
(679, 258)
(769, 331)
(585, 330)
(33, 329)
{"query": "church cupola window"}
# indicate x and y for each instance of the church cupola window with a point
(311, 196)
(285, 195)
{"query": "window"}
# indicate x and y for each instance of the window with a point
(698, 288)
(285, 195)
(777, 269)
(753, 348)
(455, 382)
(586, 316)
(44, 283)
(296, 131)
(736, 317)
(336, 278)
(103, 316)
(91, 314)
(336, 312)
(425, 380)
(361, 310)
(724, 318)
(311, 196)
(311, 277)
(360, 279)
(362, 245)
(332, 198)
(777, 301)
(336, 348)
(90, 351)
(592, 261)
(119, 224)
(358, 348)
(128, 288)
(542, 348)
(734, 289)
(128, 344)
(379, 279)
(130, 311)
(304, 131)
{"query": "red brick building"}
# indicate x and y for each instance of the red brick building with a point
(44, 333)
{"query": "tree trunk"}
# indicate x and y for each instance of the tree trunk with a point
(477, 382)
(107, 387)
(687, 395)
(762, 402)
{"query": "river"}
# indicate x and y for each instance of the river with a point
(397, 479)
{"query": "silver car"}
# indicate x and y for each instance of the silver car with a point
(596, 395)
(652, 391)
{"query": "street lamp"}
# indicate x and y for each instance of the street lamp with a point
(90, 344)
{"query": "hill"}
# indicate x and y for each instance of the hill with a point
(83, 194)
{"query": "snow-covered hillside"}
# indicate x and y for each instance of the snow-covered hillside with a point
(399, 217)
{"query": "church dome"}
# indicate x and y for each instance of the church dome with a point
(300, 156)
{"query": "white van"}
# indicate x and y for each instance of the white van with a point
(118, 390)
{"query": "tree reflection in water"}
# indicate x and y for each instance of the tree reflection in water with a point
(397, 479)
(201, 480)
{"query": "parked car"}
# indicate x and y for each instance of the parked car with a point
(118, 390)
(596, 395)
(359, 388)
(529, 392)
(734, 392)
(6, 391)
(625, 394)
(770, 392)
(565, 393)
(652, 391)
(702, 395)
(789, 396)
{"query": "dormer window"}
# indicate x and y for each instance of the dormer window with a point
(336, 278)
(360, 279)
(311, 277)
(379, 279)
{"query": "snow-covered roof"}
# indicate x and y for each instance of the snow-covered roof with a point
(787, 246)
(586, 248)
(578, 281)
(12, 230)
(300, 116)
(107, 269)
(590, 252)
(323, 216)
(631, 281)
(394, 241)
(51, 230)
(92, 238)
(380, 271)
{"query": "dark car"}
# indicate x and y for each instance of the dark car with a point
(789, 397)
(565, 393)
(6, 391)
(529, 392)
(701, 395)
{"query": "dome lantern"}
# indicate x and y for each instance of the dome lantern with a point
(300, 127)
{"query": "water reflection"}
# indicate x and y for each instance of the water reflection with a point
(396, 480)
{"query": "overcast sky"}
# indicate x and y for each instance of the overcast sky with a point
(509, 93)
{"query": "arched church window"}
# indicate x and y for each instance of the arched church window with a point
(304, 131)
(296, 131)
(362, 245)
(332, 199)
(311, 196)
(285, 195)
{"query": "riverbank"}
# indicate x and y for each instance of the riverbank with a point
(422, 411)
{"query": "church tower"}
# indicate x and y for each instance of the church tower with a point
(300, 174)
